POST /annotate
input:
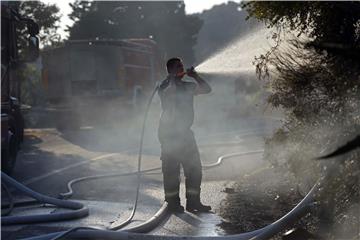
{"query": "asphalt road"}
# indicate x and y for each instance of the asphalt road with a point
(50, 158)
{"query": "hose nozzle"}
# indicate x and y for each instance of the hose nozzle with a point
(190, 69)
(187, 71)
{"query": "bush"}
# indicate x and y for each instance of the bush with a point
(320, 94)
(32, 92)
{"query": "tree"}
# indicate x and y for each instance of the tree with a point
(316, 81)
(46, 16)
(165, 22)
(323, 21)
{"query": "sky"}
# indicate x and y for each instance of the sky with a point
(191, 6)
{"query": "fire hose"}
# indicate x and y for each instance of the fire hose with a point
(79, 210)
(92, 233)
(263, 233)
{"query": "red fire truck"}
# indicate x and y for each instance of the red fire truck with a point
(93, 81)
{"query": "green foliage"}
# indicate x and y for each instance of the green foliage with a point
(319, 90)
(46, 16)
(311, 85)
(323, 21)
(165, 22)
(32, 92)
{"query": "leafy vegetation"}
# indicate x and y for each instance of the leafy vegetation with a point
(316, 82)
(165, 22)
(323, 21)
(46, 16)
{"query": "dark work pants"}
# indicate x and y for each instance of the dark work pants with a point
(180, 150)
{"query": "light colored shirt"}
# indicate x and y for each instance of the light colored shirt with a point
(177, 102)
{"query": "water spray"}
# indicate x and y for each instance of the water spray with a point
(237, 57)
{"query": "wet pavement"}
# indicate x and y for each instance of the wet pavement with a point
(49, 159)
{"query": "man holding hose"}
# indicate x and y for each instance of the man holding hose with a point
(178, 145)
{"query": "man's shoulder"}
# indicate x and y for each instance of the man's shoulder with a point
(164, 83)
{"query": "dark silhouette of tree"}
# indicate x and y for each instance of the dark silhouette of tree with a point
(26, 77)
(45, 15)
(165, 22)
(316, 82)
(324, 21)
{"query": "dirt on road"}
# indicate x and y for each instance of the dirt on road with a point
(258, 200)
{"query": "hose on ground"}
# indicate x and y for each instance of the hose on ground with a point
(220, 160)
(70, 184)
(9, 207)
(302, 208)
(264, 233)
(145, 227)
(152, 222)
(79, 210)
(138, 173)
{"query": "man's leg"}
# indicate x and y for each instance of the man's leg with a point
(193, 176)
(171, 176)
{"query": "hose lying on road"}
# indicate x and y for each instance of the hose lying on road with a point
(81, 233)
(79, 210)
(220, 160)
(138, 173)
(70, 184)
(162, 213)
(264, 233)
(9, 207)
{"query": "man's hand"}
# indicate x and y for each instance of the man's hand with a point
(202, 86)
(192, 73)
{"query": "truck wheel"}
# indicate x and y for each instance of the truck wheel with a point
(9, 154)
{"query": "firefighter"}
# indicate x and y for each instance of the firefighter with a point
(178, 145)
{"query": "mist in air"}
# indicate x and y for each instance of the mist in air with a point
(237, 57)
(92, 90)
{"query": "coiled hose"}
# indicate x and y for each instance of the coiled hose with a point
(79, 210)
(9, 207)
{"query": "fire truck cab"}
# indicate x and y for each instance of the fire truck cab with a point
(12, 122)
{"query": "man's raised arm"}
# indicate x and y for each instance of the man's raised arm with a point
(202, 86)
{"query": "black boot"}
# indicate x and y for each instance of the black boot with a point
(174, 205)
(193, 204)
